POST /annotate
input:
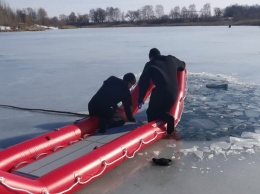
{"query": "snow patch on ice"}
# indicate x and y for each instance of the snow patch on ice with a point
(199, 154)
(156, 153)
(189, 150)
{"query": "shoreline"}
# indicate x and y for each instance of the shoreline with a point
(36, 27)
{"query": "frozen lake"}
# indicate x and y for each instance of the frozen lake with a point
(216, 148)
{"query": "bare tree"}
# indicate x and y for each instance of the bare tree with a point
(206, 11)
(93, 15)
(184, 12)
(192, 11)
(113, 14)
(21, 16)
(171, 14)
(3, 17)
(122, 16)
(101, 13)
(218, 12)
(72, 19)
(62, 19)
(31, 15)
(42, 16)
(98, 15)
(55, 21)
(132, 15)
(175, 13)
(159, 11)
(83, 19)
(7, 15)
(116, 14)
(147, 12)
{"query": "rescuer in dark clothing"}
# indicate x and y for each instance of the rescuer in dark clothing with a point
(104, 103)
(162, 70)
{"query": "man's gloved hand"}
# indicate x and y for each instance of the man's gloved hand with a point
(140, 104)
(115, 107)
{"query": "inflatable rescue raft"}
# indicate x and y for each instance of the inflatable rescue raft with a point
(67, 159)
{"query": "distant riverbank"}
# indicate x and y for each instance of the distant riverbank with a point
(251, 22)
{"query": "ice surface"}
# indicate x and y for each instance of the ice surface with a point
(233, 106)
(220, 145)
(199, 154)
(250, 113)
(189, 150)
(236, 113)
(211, 156)
(203, 123)
(156, 153)
(246, 134)
(250, 151)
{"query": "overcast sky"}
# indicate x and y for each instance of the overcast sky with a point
(57, 7)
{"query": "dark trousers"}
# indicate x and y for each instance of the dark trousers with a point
(108, 115)
(159, 105)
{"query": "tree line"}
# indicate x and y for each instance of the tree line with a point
(147, 14)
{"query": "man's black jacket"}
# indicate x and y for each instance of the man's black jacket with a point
(162, 70)
(113, 91)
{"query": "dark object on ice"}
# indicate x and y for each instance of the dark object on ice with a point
(218, 86)
(162, 161)
(229, 25)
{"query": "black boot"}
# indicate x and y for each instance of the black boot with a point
(170, 122)
(162, 161)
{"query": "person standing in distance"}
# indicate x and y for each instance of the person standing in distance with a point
(162, 70)
(104, 103)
